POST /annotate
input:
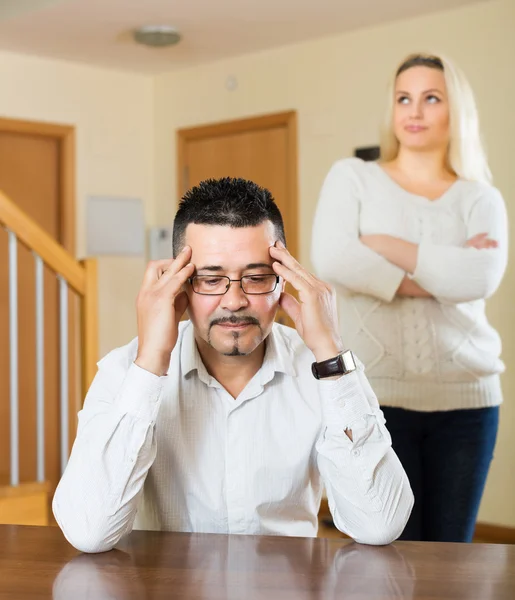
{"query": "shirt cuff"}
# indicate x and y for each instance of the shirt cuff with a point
(140, 394)
(344, 402)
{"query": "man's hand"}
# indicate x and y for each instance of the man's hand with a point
(481, 241)
(314, 314)
(160, 306)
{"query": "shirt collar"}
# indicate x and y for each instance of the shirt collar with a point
(278, 355)
(190, 356)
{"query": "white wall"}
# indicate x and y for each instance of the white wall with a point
(113, 116)
(337, 85)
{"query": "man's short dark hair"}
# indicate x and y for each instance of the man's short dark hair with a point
(228, 201)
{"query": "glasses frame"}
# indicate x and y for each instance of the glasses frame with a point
(229, 281)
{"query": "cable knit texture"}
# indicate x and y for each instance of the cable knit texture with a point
(423, 354)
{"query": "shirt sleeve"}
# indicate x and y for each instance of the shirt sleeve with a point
(453, 274)
(96, 500)
(337, 254)
(369, 494)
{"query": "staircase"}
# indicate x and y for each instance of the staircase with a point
(22, 501)
(25, 504)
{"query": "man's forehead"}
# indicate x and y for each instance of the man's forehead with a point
(215, 237)
(229, 247)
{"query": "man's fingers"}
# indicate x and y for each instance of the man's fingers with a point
(178, 264)
(290, 306)
(173, 280)
(154, 270)
(157, 268)
(298, 282)
(280, 254)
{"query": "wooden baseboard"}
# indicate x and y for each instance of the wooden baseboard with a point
(494, 534)
(24, 504)
(486, 533)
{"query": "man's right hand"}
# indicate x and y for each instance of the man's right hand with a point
(160, 305)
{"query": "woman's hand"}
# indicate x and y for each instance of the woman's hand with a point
(408, 288)
(481, 241)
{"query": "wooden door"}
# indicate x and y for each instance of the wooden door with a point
(34, 173)
(262, 149)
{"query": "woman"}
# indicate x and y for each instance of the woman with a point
(414, 245)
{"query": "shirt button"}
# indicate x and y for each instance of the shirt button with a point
(356, 452)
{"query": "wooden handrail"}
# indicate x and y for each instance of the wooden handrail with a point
(80, 276)
(38, 240)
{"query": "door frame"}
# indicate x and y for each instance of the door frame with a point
(65, 134)
(287, 119)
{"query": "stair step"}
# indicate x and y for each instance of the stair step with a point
(24, 504)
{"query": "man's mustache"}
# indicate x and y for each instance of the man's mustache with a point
(233, 320)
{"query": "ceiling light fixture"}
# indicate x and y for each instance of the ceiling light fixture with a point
(157, 36)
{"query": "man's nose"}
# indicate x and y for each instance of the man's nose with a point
(234, 298)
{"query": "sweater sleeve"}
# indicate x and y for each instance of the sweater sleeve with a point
(337, 254)
(453, 274)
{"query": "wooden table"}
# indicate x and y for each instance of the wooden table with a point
(36, 562)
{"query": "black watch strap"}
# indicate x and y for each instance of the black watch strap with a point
(339, 365)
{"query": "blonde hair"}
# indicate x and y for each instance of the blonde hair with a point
(465, 155)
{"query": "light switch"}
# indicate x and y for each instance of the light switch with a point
(160, 243)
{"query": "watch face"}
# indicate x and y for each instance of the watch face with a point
(349, 364)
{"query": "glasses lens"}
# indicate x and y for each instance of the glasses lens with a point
(209, 284)
(258, 284)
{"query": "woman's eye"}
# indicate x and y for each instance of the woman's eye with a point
(402, 100)
(433, 99)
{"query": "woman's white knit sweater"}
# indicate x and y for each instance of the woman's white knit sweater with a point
(424, 354)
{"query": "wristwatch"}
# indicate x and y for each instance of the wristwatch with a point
(339, 365)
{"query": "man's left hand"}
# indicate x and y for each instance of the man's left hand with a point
(315, 313)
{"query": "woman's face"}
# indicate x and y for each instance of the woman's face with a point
(421, 109)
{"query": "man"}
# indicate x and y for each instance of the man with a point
(228, 422)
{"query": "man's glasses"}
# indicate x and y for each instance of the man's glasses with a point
(218, 285)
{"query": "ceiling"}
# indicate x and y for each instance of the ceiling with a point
(99, 32)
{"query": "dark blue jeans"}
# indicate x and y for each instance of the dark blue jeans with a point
(446, 455)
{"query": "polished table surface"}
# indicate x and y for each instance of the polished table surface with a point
(37, 562)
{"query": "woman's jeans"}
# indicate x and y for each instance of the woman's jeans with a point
(446, 455)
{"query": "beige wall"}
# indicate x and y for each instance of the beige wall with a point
(337, 86)
(113, 116)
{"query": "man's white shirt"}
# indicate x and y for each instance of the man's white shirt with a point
(179, 453)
